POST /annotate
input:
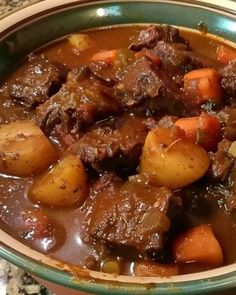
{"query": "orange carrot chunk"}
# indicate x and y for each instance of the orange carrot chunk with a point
(151, 269)
(202, 85)
(204, 130)
(108, 56)
(155, 59)
(225, 54)
(199, 244)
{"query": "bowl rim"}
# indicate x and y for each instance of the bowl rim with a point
(92, 281)
(7, 23)
(53, 270)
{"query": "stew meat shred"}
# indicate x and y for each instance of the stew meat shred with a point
(118, 148)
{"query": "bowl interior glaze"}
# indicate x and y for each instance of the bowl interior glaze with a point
(39, 24)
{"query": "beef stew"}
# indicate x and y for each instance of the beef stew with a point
(117, 151)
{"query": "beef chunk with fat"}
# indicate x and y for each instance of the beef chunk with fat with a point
(178, 58)
(171, 48)
(39, 80)
(133, 214)
(139, 82)
(82, 99)
(143, 81)
(149, 37)
(222, 161)
(228, 81)
(171, 98)
(123, 141)
(172, 55)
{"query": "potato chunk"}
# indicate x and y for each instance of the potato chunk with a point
(24, 149)
(81, 42)
(172, 161)
(65, 184)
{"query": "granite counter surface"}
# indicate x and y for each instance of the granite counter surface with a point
(7, 6)
(18, 282)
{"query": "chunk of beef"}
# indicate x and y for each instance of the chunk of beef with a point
(132, 214)
(222, 161)
(228, 120)
(51, 118)
(178, 57)
(105, 72)
(103, 143)
(231, 200)
(171, 48)
(228, 81)
(172, 55)
(148, 37)
(170, 95)
(106, 180)
(140, 81)
(171, 99)
(82, 99)
(39, 80)
(143, 81)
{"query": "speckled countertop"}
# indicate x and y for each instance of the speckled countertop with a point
(7, 6)
(18, 282)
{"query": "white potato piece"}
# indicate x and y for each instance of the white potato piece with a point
(81, 42)
(172, 162)
(24, 149)
(65, 184)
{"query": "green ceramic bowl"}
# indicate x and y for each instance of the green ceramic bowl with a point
(41, 23)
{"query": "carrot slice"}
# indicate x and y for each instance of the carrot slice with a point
(151, 269)
(107, 56)
(203, 85)
(155, 59)
(199, 244)
(225, 54)
(204, 130)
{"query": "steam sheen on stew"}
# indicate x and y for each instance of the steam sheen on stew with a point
(118, 148)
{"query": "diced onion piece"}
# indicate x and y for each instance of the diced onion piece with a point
(232, 149)
(65, 184)
(81, 42)
(154, 221)
(24, 149)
